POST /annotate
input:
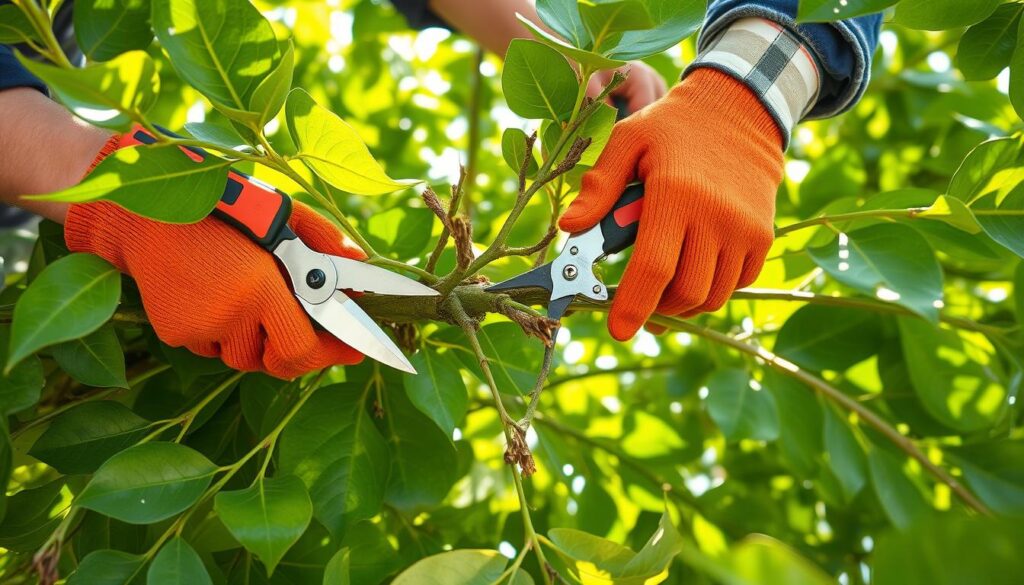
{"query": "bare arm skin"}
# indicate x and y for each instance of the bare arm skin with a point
(43, 148)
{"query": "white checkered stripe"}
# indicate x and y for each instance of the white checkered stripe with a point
(770, 60)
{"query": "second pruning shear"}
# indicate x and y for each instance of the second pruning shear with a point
(318, 280)
(571, 273)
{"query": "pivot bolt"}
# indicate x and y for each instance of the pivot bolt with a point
(570, 272)
(597, 289)
(316, 278)
(574, 250)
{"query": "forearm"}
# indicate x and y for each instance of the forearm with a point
(493, 28)
(43, 148)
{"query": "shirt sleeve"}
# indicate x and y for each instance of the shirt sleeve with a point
(843, 49)
(12, 74)
(418, 14)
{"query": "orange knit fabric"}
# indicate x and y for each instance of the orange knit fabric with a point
(711, 160)
(210, 289)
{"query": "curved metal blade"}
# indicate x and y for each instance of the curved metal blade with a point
(349, 323)
(539, 277)
(363, 277)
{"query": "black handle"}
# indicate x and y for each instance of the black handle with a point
(619, 227)
(257, 210)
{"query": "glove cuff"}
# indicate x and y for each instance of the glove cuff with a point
(734, 102)
(772, 62)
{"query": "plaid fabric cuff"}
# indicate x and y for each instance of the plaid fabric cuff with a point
(772, 62)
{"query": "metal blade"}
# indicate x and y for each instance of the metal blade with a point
(557, 307)
(363, 277)
(539, 277)
(349, 323)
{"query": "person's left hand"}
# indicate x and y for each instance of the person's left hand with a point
(643, 85)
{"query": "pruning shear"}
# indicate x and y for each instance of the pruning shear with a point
(571, 273)
(318, 280)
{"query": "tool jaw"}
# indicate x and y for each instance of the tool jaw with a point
(572, 272)
(313, 275)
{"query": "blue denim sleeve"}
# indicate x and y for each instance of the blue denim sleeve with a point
(12, 74)
(843, 49)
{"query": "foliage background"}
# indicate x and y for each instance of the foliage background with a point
(763, 469)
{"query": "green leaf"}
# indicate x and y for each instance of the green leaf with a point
(674, 20)
(6, 465)
(438, 390)
(108, 567)
(158, 182)
(987, 47)
(603, 18)
(424, 462)
(72, 297)
(513, 150)
(80, 439)
(888, 261)
(949, 374)
(952, 212)
(572, 53)
(994, 470)
(107, 94)
(148, 483)
(219, 135)
(456, 567)
(268, 517)
(900, 498)
(991, 183)
(333, 447)
(740, 410)
(224, 49)
(833, 10)
(177, 563)
(106, 28)
(268, 97)
(852, 335)
(762, 560)
(962, 550)
(943, 14)
(598, 128)
(30, 517)
(332, 149)
(514, 363)
(538, 82)
(1001, 215)
(563, 17)
(19, 388)
(404, 232)
(337, 571)
(801, 425)
(94, 360)
(15, 27)
(844, 455)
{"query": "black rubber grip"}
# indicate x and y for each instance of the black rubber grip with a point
(619, 227)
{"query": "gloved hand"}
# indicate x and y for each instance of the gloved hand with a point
(208, 288)
(710, 156)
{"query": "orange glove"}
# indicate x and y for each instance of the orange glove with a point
(207, 287)
(710, 157)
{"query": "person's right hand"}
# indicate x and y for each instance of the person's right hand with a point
(208, 288)
(642, 87)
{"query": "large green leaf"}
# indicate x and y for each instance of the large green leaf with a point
(991, 183)
(513, 150)
(82, 438)
(437, 390)
(267, 517)
(106, 28)
(148, 483)
(107, 94)
(832, 10)
(19, 388)
(108, 567)
(801, 423)
(950, 375)
(94, 360)
(741, 409)
(571, 52)
(402, 233)
(30, 519)
(513, 361)
(269, 96)
(337, 571)
(72, 297)
(15, 27)
(158, 182)
(564, 18)
(943, 14)
(852, 335)
(674, 20)
(994, 471)
(333, 447)
(223, 48)
(604, 18)
(844, 454)
(177, 563)
(424, 464)
(987, 47)
(900, 498)
(332, 149)
(961, 550)
(456, 567)
(538, 82)
(889, 261)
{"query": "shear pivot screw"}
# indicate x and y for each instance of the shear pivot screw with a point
(570, 272)
(597, 289)
(574, 250)
(316, 278)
